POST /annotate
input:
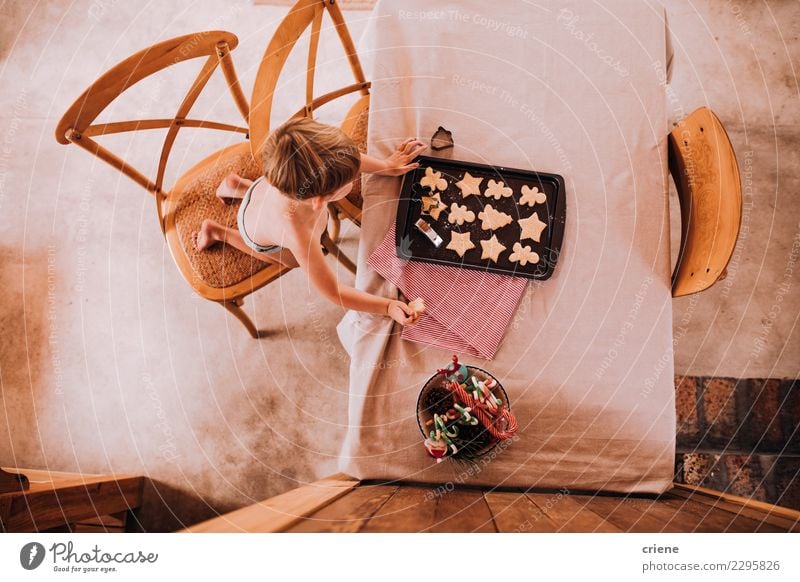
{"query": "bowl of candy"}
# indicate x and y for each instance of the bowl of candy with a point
(463, 413)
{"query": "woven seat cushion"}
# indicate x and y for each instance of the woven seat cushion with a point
(359, 135)
(221, 265)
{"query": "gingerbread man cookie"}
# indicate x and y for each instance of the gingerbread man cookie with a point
(460, 214)
(433, 180)
(532, 196)
(523, 255)
(492, 219)
(497, 190)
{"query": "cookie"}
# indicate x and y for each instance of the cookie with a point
(418, 305)
(492, 219)
(532, 196)
(469, 185)
(532, 227)
(460, 243)
(492, 248)
(497, 190)
(433, 180)
(432, 206)
(460, 214)
(523, 255)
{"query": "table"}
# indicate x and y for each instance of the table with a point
(577, 90)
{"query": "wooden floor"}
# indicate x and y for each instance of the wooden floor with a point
(341, 505)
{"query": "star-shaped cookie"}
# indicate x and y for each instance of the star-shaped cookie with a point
(492, 248)
(532, 227)
(433, 180)
(460, 243)
(523, 255)
(432, 206)
(469, 185)
(492, 219)
(460, 214)
(497, 190)
(531, 196)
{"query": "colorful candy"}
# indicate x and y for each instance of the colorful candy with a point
(474, 403)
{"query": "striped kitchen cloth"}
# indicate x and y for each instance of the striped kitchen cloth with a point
(467, 311)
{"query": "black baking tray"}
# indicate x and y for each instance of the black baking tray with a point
(412, 245)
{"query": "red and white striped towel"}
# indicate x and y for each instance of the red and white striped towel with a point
(467, 311)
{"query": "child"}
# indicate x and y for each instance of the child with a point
(283, 214)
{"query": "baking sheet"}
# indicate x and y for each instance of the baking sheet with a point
(414, 245)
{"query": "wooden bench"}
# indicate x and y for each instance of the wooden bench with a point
(57, 501)
(342, 504)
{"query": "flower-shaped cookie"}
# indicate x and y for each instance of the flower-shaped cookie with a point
(523, 255)
(460, 243)
(497, 190)
(532, 227)
(469, 185)
(492, 248)
(460, 214)
(532, 195)
(492, 219)
(433, 180)
(432, 206)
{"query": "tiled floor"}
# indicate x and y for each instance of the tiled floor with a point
(109, 362)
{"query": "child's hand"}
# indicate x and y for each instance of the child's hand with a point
(402, 313)
(399, 162)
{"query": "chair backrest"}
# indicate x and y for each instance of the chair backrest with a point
(304, 14)
(706, 174)
(76, 126)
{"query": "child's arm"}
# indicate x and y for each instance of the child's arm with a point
(396, 164)
(323, 278)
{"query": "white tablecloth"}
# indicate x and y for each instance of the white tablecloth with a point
(576, 90)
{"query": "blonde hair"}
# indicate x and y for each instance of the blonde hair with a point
(304, 158)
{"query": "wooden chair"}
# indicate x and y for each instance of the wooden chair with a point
(220, 274)
(308, 15)
(706, 175)
(342, 504)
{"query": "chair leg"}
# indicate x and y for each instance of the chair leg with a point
(336, 222)
(235, 307)
(333, 249)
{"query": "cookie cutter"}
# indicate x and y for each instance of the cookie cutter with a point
(442, 139)
(425, 228)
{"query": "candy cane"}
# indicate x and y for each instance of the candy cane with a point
(466, 416)
(485, 418)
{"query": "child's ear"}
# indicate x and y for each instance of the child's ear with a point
(319, 202)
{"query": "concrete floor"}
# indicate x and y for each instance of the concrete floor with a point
(111, 364)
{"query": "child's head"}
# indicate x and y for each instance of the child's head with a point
(305, 159)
